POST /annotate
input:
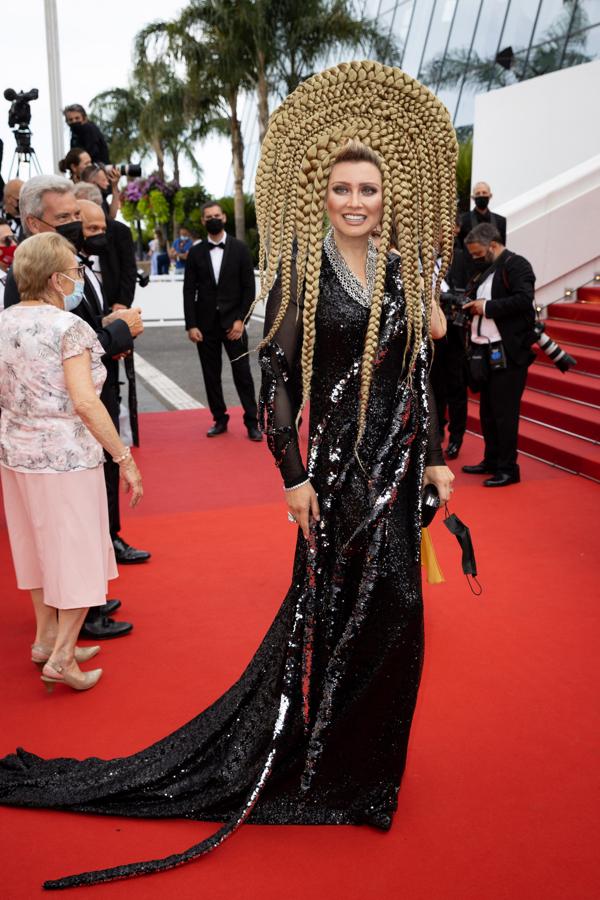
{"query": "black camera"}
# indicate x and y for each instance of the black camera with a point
(19, 114)
(561, 359)
(452, 303)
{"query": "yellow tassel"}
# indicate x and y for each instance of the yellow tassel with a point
(429, 559)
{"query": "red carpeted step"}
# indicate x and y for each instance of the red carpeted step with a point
(585, 388)
(572, 453)
(588, 360)
(581, 420)
(581, 312)
(580, 333)
(589, 294)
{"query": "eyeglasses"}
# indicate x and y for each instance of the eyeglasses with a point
(79, 269)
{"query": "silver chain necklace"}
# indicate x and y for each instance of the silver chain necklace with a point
(346, 277)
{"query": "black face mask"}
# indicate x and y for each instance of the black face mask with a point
(73, 232)
(95, 244)
(480, 265)
(214, 225)
(482, 202)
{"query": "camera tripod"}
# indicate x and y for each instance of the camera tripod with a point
(24, 154)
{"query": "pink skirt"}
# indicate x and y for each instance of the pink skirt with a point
(59, 536)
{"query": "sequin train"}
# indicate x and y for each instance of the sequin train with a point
(316, 729)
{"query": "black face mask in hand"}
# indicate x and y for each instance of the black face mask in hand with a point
(95, 244)
(463, 536)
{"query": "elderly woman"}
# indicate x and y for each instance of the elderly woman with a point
(52, 431)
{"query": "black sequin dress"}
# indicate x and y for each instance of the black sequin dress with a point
(316, 729)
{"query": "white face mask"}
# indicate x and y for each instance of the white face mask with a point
(72, 301)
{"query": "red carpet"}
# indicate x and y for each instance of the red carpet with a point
(498, 799)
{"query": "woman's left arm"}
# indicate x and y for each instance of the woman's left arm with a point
(436, 471)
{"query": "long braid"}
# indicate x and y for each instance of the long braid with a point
(412, 135)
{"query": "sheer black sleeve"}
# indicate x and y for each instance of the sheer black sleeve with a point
(281, 390)
(433, 455)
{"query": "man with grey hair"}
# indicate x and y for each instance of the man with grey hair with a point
(501, 336)
(480, 214)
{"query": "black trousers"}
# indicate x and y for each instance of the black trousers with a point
(449, 383)
(209, 350)
(110, 398)
(499, 408)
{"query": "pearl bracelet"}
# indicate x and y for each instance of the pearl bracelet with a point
(302, 483)
(120, 459)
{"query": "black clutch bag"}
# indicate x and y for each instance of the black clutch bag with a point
(430, 504)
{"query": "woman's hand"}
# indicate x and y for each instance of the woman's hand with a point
(302, 504)
(131, 480)
(442, 478)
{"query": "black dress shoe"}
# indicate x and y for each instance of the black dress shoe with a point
(126, 554)
(95, 612)
(254, 433)
(481, 468)
(453, 449)
(218, 428)
(102, 628)
(502, 479)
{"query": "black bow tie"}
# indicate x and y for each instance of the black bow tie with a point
(212, 246)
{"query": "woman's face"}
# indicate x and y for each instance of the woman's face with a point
(100, 179)
(354, 198)
(85, 160)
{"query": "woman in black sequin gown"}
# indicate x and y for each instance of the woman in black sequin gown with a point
(316, 729)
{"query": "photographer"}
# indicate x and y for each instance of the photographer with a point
(106, 180)
(500, 348)
(86, 134)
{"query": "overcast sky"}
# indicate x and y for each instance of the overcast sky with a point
(95, 54)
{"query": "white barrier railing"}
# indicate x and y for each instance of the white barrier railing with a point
(162, 301)
(555, 226)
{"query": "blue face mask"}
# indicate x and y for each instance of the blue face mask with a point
(72, 301)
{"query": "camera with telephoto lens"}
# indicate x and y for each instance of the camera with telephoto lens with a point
(561, 359)
(131, 170)
(452, 303)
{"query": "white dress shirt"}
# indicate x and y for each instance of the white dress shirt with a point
(216, 256)
(484, 331)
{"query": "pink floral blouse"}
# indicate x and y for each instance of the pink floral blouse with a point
(39, 428)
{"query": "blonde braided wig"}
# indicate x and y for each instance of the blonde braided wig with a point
(410, 132)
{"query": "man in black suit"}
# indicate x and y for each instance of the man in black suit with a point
(49, 204)
(480, 215)
(503, 320)
(218, 289)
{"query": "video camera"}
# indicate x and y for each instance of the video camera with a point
(19, 114)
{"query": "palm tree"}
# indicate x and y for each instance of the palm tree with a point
(148, 117)
(210, 38)
(561, 46)
(289, 39)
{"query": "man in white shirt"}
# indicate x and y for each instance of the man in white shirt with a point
(503, 320)
(218, 289)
